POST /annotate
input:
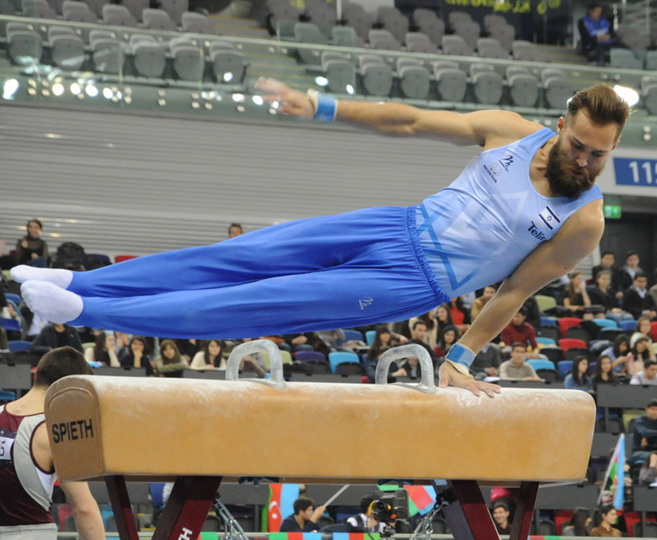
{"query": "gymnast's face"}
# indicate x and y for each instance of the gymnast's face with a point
(579, 155)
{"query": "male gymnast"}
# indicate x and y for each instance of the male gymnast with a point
(526, 210)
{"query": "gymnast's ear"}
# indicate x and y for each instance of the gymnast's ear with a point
(561, 123)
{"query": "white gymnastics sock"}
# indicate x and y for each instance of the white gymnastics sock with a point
(58, 276)
(51, 302)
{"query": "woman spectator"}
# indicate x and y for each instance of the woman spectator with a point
(460, 314)
(479, 303)
(170, 363)
(642, 330)
(444, 317)
(604, 372)
(448, 336)
(209, 357)
(431, 335)
(601, 294)
(32, 249)
(576, 299)
(136, 356)
(648, 472)
(641, 352)
(383, 341)
(603, 520)
(618, 352)
(578, 378)
(579, 523)
(103, 352)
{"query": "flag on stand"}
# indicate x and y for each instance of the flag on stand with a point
(420, 498)
(281, 505)
(613, 488)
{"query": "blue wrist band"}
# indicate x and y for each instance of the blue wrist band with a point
(460, 354)
(326, 107)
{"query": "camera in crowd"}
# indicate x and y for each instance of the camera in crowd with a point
(392, 510)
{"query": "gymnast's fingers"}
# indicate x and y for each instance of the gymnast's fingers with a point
(489, 389)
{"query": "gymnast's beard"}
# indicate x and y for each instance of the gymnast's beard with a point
(562, 177)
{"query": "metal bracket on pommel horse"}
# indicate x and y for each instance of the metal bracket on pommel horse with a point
(198, 432)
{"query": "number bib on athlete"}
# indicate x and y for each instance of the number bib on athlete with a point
(6, 443)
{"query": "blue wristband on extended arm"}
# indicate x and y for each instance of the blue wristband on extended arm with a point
(460, 354)
(326, 107)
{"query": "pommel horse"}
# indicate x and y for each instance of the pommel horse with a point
(197, 432)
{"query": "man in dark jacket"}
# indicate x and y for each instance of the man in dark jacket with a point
(58, 335)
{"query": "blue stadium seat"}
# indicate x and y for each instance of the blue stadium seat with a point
(369, 337)
(341, 357)
(605, 323)
(353, 335)
(19, 345)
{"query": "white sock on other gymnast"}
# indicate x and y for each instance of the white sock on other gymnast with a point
(52, 302)
(58, 276)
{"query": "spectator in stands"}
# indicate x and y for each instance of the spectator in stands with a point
(576, 298)
(604, 372)
(460, 314)
(170, 363)
(644, 432)
(602, 294)
(607, 262)
(448, 336)
(431, 335)
(381, 343)
(103, 352)
(579, 523)
(137, 356)
(630, 269)
(58, 335)
(518, 330)
(501, 515)
(444, 316)
(480, 302)
(533, 312)
(209, 357)
(516, 368)
(32, 249)
(578, 378)
(364, 522)
(641, 352)
(642, 330)
(308, 341)
(305, 516)
(8, 312)
(28, 476)
(648, 376)
(487, 362)
(596, 34)
(648, 472)
(418, 333)
(234, 229)
(188, 348)
(619, 351)
(636, 299)
(603, 520)
(71, 256)
(122, 346)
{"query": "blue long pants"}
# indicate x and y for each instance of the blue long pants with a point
(323, 273)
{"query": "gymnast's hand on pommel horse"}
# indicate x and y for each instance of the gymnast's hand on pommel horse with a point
(525, 211)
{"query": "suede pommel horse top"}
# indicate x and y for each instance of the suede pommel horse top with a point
(129, 427)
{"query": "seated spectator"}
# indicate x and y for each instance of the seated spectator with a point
(602, 294)
(448, 336)
(8, 312)
(619, 352)
(308, 341)
(135, 355)
(516, 369)
(653, 290)
(58, 335)
(418, 332)
(647, 376)
(532, 312)
(630, 270)
(305, 516)
(235, 229)
(479, 303)
(596, 34)
(641, 353)
(579, 523)
(518, 330)
(603, 520)
(170, 363)
(644, 432)
(122, 346)
(604, 372)
(636, 299)
(70, 256)
(460, 314)
(444, 316)
(501, 515)
(578, 378)
(32, 249)
(648, 472)
(188, 348)
(429, 319)
(576, 299)
(365, 522)
(103, 352)
(487, 362)
(607, 263)
(209, 357)
(642, 330)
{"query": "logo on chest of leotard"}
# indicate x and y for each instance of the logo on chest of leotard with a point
(498, 167)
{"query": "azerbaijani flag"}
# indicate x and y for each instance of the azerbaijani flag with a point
(420, 498)
(281, 505)
(356, 536)
(295, 536)
(614, 483)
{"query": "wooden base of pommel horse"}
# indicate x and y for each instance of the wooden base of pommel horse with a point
(200, 431)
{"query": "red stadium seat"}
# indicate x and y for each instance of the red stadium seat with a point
(569, 343)
(566, 322)
(121, 258)
(653, 331)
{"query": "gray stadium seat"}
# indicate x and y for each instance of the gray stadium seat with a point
(523, 89)
(651, 61)
(624, 58)
(116, 15)
(470, 31)
(158, 19)
(149, 58)
(67, 52)
(526, 51)
(557, 90)
(341, 75)
(107, 55)
(78, 12)
(359, 19)
(420, 43)
(649, 94)
(455, 17)
(487, 84)
(432, 26)
(96, 6)
(188, 62)
(197, 23)
(39, 9)
(228, 65)
(492, 20)
(283, 12)
(136, 7)
(454, 45)
(451, 82)
(414, 81)
(59, 31)
(632, 38)
(175, 9)
(392, 20)
(505, 34)
(383, 40)
(344, 36)
(376, 75)
(491, 48)
(321, 13)
(24, 47)
(309, 33)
